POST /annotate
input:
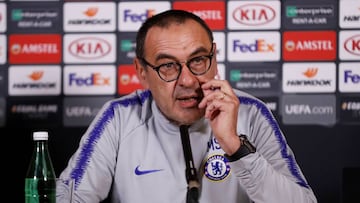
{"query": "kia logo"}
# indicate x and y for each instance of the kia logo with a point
(352, 45)
(89, 48)
(254, 14)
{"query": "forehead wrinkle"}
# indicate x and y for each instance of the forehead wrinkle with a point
(175, 43)
(168, 56)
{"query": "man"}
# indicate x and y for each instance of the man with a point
(137, 149)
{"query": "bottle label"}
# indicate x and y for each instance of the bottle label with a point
(39, 191)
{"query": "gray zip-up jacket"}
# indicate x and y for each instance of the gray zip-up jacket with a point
(132, 153)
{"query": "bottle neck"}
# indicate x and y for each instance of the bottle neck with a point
(41, 145)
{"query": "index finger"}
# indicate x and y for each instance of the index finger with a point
(212, 85)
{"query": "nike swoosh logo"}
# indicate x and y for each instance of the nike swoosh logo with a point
(143, 172)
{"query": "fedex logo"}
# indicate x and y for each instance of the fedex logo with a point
(89, 80)
(349, 77)
(95, 79)
(252, 46)
(133, 14)
(129, 15)
(259, 45)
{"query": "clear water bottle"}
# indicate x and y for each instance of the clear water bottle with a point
(40, 180)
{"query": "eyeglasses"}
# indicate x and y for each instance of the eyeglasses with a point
(171, 71)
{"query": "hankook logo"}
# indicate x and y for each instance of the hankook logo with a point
(349, 15)
(34, 80)
(309, 77)
(89, 16)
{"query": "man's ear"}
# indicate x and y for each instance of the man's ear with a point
(141, 73)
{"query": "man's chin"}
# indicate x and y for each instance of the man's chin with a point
(190, 116)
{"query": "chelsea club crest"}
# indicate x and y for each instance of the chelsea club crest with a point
(216, 168)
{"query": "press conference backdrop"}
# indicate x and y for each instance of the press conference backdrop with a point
(61, 60)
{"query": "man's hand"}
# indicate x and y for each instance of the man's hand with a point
(221, 108)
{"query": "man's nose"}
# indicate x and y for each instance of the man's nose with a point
(186, 77)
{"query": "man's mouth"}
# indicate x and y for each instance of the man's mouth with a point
(188, 101)
(188, 98)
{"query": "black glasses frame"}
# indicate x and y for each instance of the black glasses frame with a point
(187, 63)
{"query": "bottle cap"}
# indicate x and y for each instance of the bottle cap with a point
(40, 135)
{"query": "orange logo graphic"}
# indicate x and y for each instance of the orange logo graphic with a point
(310, 72)
(36, 75)
(90, 12)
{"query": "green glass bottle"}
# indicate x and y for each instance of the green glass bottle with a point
(40, 180)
